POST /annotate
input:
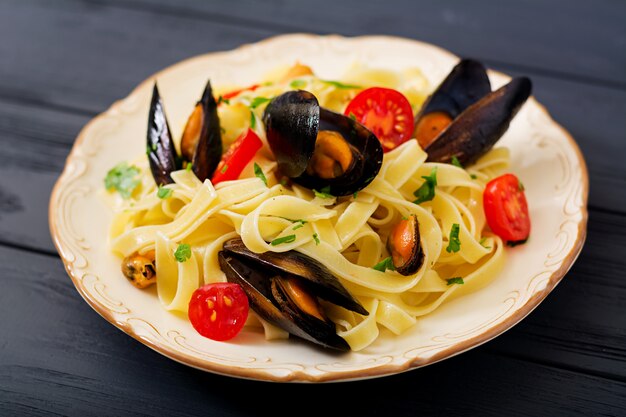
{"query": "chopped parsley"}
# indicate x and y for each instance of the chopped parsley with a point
(259, 173)
(473, 176)
(183, 252)
(123, 179)
(338, 84)
(482, 243)
(456, 162)
(323, 193)
(352, 116)
(252, 120)
(427, 191)
(455, 280)
(284, 239)
(385, 264)
(221, 99)
(316, 239)
(189, 166)
(164, 193)
(454, 244)
(224, 169)
(257, 101)
(520, 185)
(356, 193)
(297, 226)
(297, 84)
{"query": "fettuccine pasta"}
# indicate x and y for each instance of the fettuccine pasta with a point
(347, 234)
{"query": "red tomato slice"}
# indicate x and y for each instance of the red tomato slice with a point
(235, 93)
(506, 208)
(237, 157)
(218, 311)
(386, 112)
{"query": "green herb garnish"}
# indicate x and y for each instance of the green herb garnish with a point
(284, 239)
(221, 100)
(316, 239)
(520, 185)
(455, 280)
(122, 178)
(482, 243)
(259, 173)
(283, 181)
(252, 120)
(164, 193)
(323, 193)
(183, 252)
(427, 191)
(257, 101)
(456, 162)
(384, 265)
(297, 226)
(473, 176)
(352, 116)
(189, 166)
(356, 193)
(338, 84)
(224, 169)
(297, 84)
(454, 244)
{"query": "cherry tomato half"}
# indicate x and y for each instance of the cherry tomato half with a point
(386, 112)
(506, 208)
(218, 311)
(237, 157)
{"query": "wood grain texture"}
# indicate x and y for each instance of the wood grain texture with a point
(81, 365)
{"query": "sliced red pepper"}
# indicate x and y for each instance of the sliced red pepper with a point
(237, 157)
(235, 93)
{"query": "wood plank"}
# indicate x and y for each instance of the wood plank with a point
(586, 41)
(74, 367)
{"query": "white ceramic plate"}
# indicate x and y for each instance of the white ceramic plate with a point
(544, 156)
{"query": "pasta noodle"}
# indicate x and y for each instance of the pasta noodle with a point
(346, 234)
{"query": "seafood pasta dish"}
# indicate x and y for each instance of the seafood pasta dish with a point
(327, 210)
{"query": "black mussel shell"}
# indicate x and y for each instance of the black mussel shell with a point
(465, 84)
(480, 126)
(325, 285)
(208, 148)
(160, 147)
(291, 122)
(416, 258)
(257, 284)
(367, 154)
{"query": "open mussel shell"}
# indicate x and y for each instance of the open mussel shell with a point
(480, 126)
(352, 154)
(405, 246)
(465, 84)
(201, 143)
(366, 153)
(323, 283)
(291, 123)
(263, 289)
(160, 147)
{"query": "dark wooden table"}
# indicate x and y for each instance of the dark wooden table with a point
(63, 62)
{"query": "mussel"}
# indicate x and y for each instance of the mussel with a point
(405, 246)
(318, 148)
(201, 142)
(283, 288)
(463, 118)
(161, 150)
